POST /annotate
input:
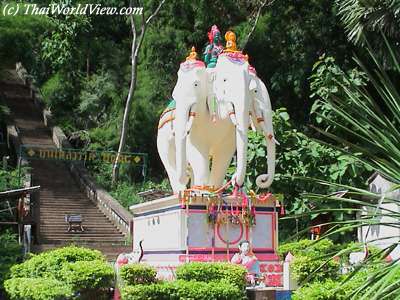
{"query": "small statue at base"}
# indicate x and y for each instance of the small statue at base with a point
(246, 258)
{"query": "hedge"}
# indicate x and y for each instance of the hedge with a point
(83, 272)
(309, 256)
(213, 272)
(50, 263)
(138, 274)
(181, 290)
(88, 275)
(37, 289)
(302, 247)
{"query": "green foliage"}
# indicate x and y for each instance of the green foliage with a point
(213, 272)
(329, 81)
(368, 18)
(321, 247)
(288, 39)
(11, 179)
(88, 275)
(325, 290)
(179, 290)
(10, 254)
(97, 95)
(62, 47)
(37, 289)
(314, 267)
(82, 271)
(52, 90)
(298, 159)
(371, 122)
(312, 260)
(20, 36)
(51, 263)
(126, 193)
(134, 274)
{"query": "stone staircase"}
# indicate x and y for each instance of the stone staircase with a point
(60, 194)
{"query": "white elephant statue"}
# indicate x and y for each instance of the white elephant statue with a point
(211, 120)
(175, 122)
(262, 119)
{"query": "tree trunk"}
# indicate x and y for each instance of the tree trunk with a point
(124, 128)
(136, 43)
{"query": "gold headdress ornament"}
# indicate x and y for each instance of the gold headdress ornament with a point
(230, 38)
(192, 55)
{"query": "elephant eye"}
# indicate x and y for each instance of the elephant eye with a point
(255, 91)
(195, 84)
(224, 79)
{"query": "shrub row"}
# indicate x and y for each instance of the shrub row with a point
(180, 290)
(213, 272)
(138, 274)
(37, 289)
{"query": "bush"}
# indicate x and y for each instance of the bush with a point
(322, 247)
(311, 255)
(326, 290)
(88, 275)
(50, 263)
(183, 290)
(37, 289)
(335, 290)
(304, 266)
(80, 270)
(138, 274)
(10, 254)
(213, 272)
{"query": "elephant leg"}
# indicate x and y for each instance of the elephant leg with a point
(166, 150)
(199, 161)
(221, 158)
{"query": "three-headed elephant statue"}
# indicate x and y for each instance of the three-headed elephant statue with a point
(208, 121)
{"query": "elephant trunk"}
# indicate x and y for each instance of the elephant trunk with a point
(265, 180)
(181, 129)
(242, 124)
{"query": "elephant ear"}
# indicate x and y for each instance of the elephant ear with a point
(252, 84)
(177, 92)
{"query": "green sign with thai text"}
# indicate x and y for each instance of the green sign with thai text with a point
(33, 152)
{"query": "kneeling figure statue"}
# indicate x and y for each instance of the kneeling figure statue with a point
(246, 258)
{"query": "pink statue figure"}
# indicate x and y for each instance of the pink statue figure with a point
(246, 258)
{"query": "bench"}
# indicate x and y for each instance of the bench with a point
(74, 223)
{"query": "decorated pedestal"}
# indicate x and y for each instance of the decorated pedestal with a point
(207, 229)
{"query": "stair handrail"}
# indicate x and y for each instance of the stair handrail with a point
(120, 217)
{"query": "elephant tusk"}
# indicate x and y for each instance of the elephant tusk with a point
(232, 116)
(190, 122)
(275, 141)
(253, 128)
(272, 138)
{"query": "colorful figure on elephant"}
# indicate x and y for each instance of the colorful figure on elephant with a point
(214, 47)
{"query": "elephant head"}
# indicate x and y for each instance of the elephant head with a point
(189, 92)
(261, 113)
(231, 87)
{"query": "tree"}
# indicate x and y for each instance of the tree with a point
(137, 39)
(363, 17)
(371, 122)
